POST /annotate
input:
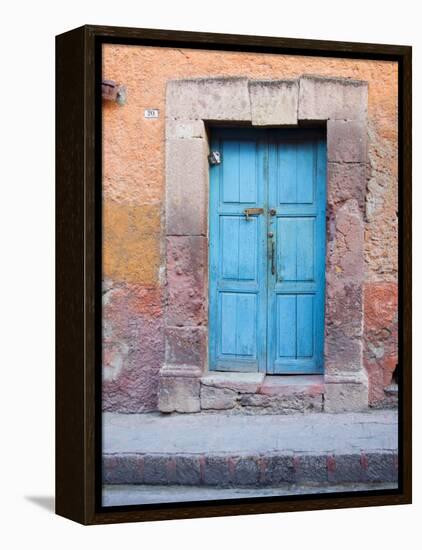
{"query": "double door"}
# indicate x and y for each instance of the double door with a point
(267, 251)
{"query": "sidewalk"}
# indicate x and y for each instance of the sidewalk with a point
(124, 495)
(256, 451)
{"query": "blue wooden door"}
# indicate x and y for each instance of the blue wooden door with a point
(296, 274)
(238, 264)
(267, 269)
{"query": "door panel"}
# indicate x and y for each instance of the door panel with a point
(239, 177)
(295, 248)
(294, 321)
(238, 261)
(266, 310)
(295, 183)
(296, 288)
(304, 324)
(238, 324)
(286, 316)
(238, 276)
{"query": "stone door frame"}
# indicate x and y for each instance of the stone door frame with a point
(191, 104)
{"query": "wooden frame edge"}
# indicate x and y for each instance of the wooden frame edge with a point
(78, 262)
(70, 386)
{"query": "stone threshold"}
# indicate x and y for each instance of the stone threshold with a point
(261, 393)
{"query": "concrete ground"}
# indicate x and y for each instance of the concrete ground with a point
(156, 458)
(223, 433)
(123, 495)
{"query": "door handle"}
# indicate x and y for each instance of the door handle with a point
(252, 212)
(272, 257)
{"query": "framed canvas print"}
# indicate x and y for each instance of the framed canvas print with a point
(233, 274)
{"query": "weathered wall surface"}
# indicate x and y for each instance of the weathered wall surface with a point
(133, 195)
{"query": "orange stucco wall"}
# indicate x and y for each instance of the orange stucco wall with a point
(133, 202)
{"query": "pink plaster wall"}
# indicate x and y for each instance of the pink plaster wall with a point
(133, 196)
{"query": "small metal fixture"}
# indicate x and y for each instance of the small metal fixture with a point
(111, 91)
(214, 158)
(252, 212)
(272, 258)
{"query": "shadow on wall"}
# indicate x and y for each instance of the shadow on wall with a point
(44, 501)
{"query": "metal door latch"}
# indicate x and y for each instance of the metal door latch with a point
(252, 212)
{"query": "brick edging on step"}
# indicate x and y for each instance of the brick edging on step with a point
(249, 470)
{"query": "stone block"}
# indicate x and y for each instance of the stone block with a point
(345, 182)
(274, 102)
(128, 468)
(186, 281)
(187, 470)
(255, 400)
(346, 469)
(186, 346)
(381, 467)
(346, 141)
(348, 396)
(242, 382)
(186, 187)
(178, 394)
(280, 469)
(219, 98)
(246, 471)
(292, 385)
(342, 353)
(281, 404)
(344, 309)
(185, 129)
(183, 371)
(155, 469)
(216, 471)
(311, 469)
(325, 98)
(217, 398)
(345, 247)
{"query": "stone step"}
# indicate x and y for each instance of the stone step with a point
(260, 394)
(238, 451)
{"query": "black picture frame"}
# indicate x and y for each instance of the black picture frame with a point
(78, 273)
